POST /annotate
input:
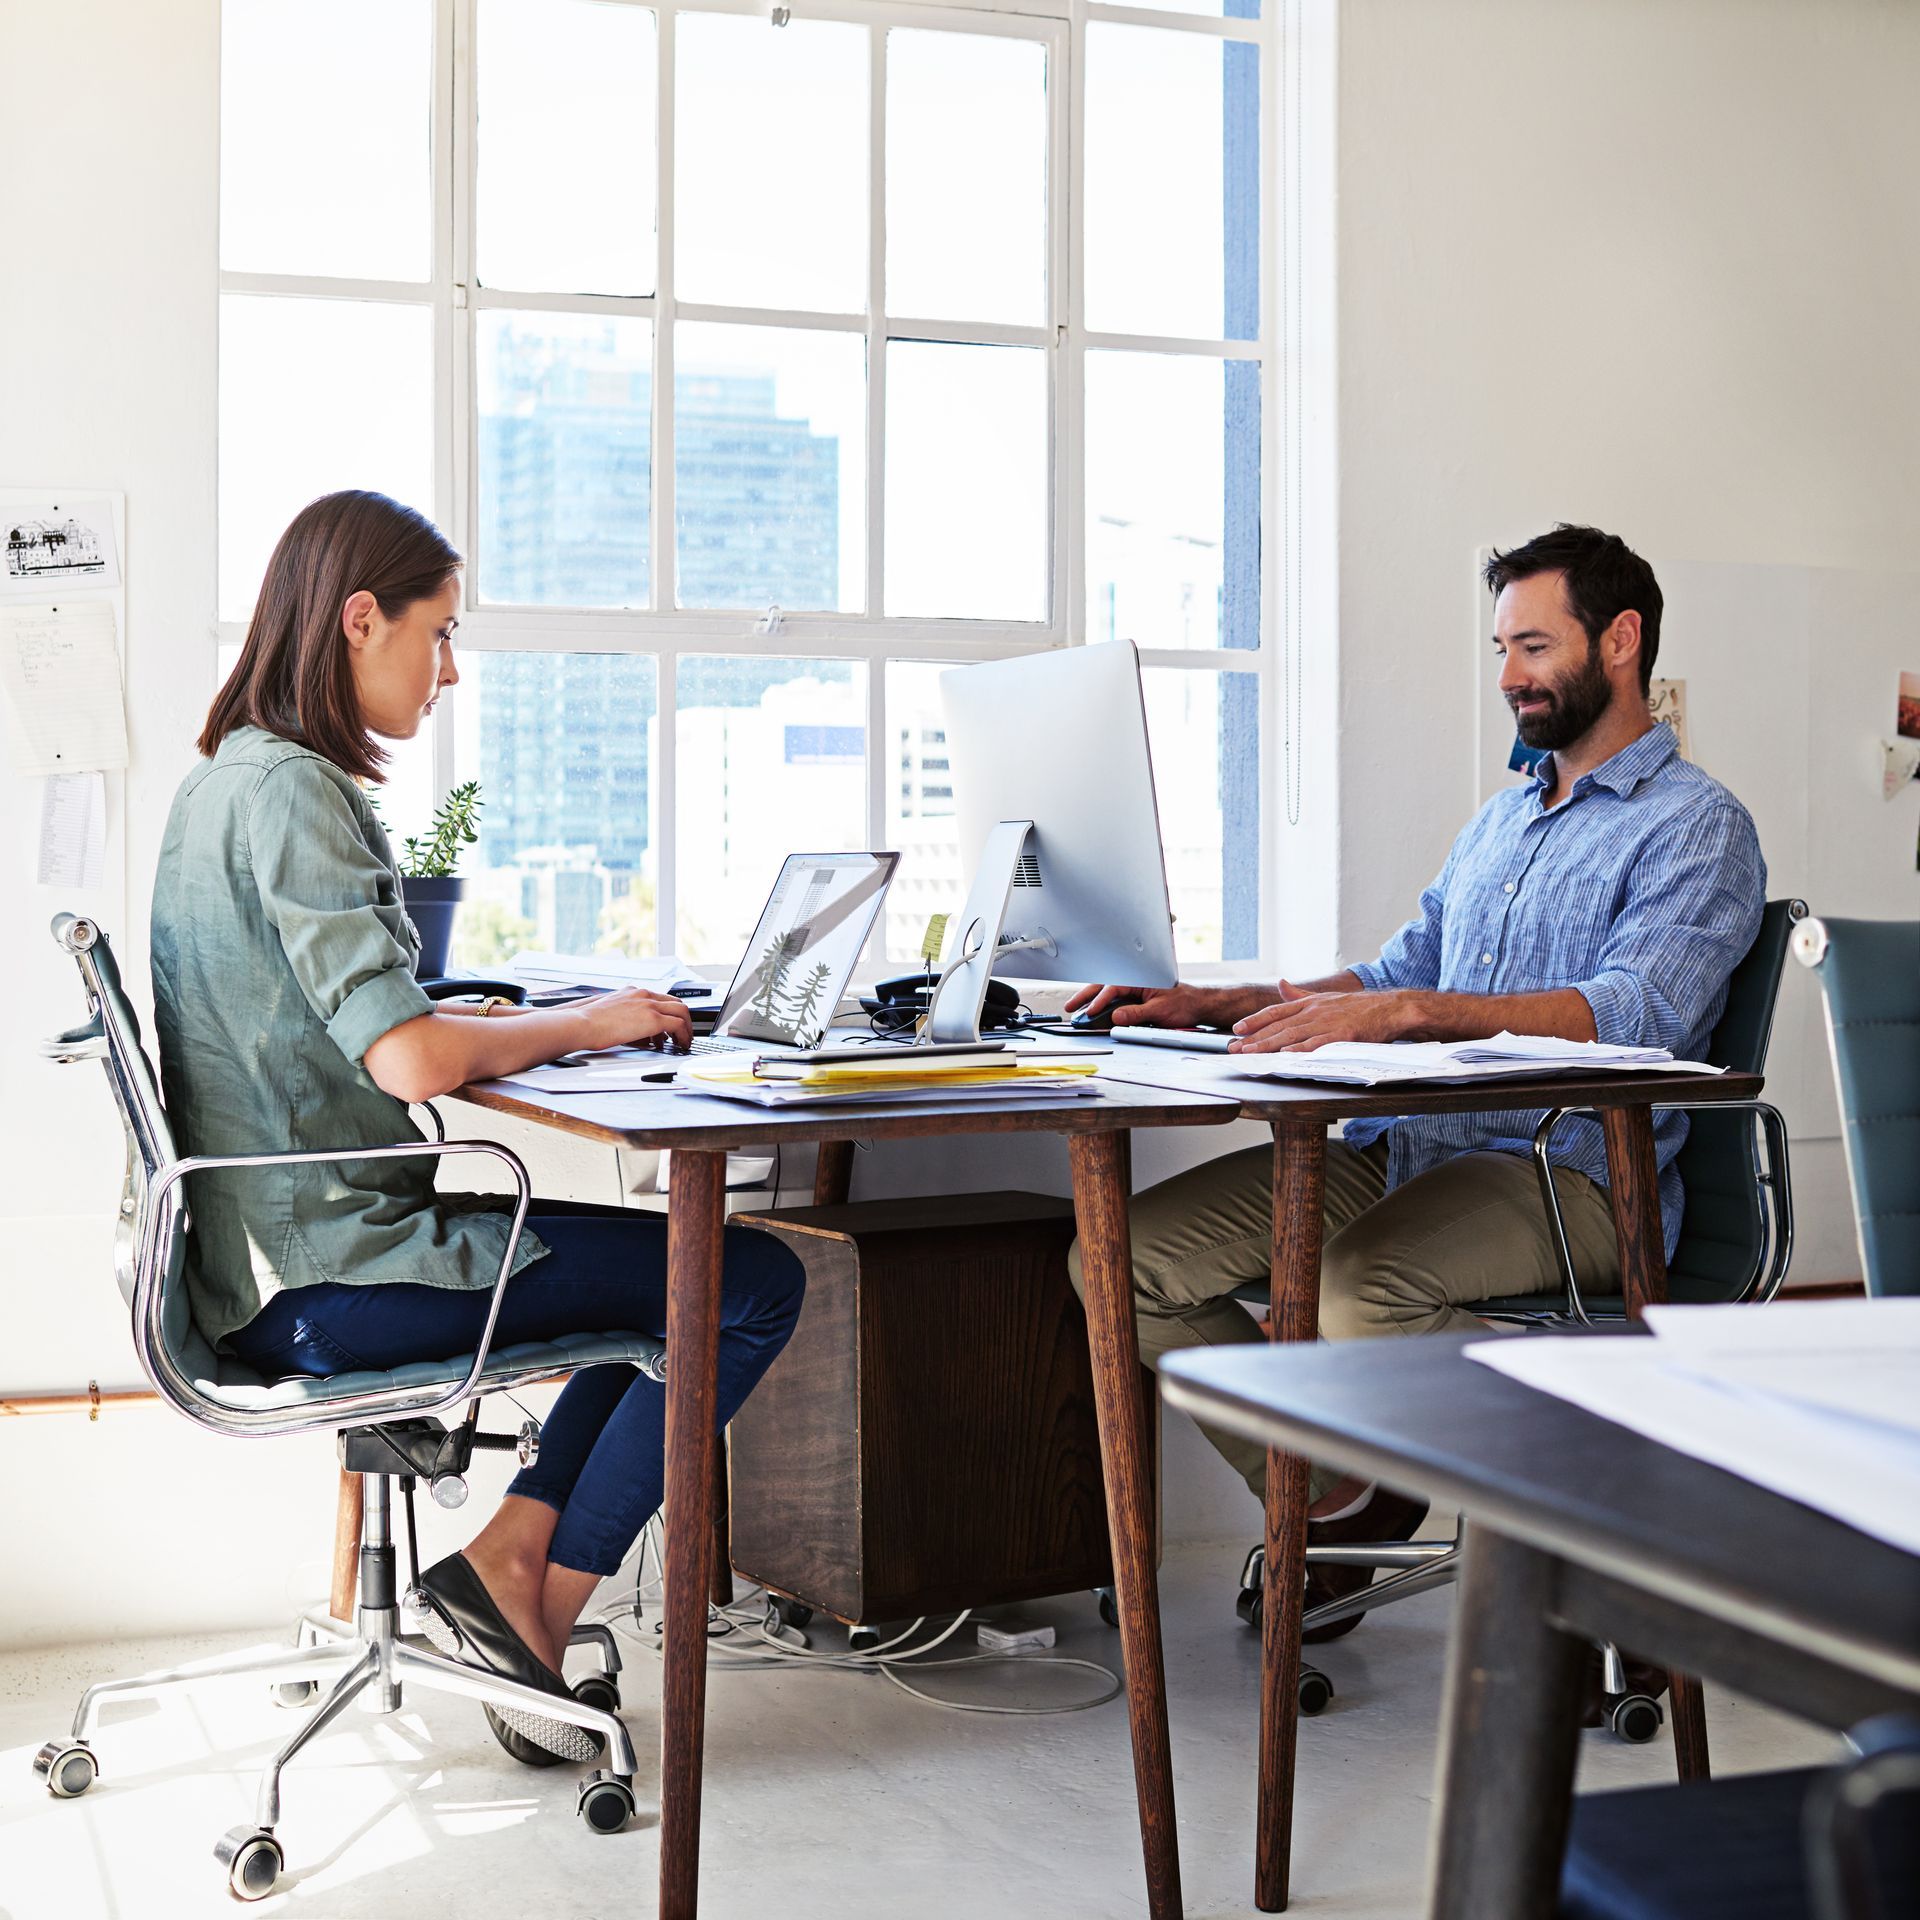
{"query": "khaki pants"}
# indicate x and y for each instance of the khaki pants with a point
(1410, 1261)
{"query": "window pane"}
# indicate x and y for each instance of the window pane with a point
(769, 460)
(1204, 729)
(315, 395)
(562, 745)
(770, 164)
(1173, 500)
(966, 177)
(566, 436)
(568, 188)
(967, 499)
(772, 761)
(325, 155)
(1172, 223)
(920, 819)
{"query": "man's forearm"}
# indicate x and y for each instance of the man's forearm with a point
(1235, 1003)
(1562, 1014)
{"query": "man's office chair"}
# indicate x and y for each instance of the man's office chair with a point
(1869, 974)
(1735, 1242)
(388, 1430)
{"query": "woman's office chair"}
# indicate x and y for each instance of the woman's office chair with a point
(1735, 1242)
(1870, 978)
(388, 1430)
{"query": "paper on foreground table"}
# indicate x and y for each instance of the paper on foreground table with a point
(1506, 1056)
(1817, 1400)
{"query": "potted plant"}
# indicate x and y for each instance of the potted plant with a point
(429, 885)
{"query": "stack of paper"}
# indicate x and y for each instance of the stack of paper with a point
(776, 1083)
(546, 973)
(1817, 1400)
(1506, 1056)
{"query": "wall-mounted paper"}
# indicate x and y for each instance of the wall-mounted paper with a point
(61, 670)
(73, 830)
(51, 546)
(1899, 762)
(1908, 723)
(1667, 702)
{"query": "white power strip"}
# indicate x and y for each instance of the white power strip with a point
(1013, 1636)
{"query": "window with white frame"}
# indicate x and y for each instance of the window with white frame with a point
(763, 366)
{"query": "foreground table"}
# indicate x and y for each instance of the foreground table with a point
(699, 1131)
(1577, 1530)
(1301, 1114)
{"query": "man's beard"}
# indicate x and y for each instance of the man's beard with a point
(1574, 704)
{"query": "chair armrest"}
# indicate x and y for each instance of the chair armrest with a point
(1844, 1871)
(421, 1402)
(1768, 1271)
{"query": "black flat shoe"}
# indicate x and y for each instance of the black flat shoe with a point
(1383, 1516)
(465, 1624)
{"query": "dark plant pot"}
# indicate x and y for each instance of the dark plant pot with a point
(430, 905)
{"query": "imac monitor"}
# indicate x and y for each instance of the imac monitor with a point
(1059, 740)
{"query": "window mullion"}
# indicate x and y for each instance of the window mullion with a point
(665, 758)
(876, 328)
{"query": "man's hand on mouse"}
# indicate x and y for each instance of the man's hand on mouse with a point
(1181, 1006)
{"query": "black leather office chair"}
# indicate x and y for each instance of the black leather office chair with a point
(1810, 1843)
(1736, 1240)
(388, 1431)
(1869, 973)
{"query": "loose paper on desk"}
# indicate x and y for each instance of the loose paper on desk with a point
(1505, 1056)
(61, 669)
(73, 830)
(662, 974)
(1818, 1400)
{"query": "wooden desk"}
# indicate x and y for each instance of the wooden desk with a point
(1578, 1530)
(699, 1130)
(1300, 1115)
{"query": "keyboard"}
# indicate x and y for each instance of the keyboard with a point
(1187, 1039)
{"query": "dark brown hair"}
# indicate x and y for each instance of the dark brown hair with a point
(294, 676)
(1604, 579)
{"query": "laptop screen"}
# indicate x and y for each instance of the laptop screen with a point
(803, 951)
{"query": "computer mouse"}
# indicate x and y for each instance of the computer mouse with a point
(1090, 1022)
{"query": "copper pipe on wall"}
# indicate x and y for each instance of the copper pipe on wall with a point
(18, 1405)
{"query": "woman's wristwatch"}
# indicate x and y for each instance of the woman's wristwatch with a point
(491, 1001)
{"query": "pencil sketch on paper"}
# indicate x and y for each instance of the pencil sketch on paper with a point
(53, 550)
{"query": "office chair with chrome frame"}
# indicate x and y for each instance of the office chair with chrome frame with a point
(387, 1429)
(1736, 1240)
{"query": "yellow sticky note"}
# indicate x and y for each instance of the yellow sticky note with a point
(934, 939)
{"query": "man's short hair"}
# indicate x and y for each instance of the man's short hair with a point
(1604, 579)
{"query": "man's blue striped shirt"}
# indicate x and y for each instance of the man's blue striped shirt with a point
(1643, 890)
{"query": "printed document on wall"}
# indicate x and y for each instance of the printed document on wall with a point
(60, 666)
(73, 830)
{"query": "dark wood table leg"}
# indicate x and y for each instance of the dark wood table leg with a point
(1100, 1198)
(1509, 1735)
(833, 1173)
(1634, 1182)
(1299, 1192)
(696, 1220)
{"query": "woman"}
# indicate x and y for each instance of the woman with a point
(289, 1018)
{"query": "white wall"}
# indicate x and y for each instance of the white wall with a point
(1653, 264)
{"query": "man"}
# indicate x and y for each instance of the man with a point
(1609, 898)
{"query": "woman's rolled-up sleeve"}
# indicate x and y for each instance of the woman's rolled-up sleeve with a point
(334, 904)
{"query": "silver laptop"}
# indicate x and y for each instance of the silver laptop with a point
(802, 953)
(1187, 1039)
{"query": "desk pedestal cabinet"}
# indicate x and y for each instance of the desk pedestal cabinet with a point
(927, 1440)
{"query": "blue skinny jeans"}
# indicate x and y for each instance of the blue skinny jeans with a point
(602, 1449)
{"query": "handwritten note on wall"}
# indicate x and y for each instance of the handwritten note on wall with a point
(60, 666)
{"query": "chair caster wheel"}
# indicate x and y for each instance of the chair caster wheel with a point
(253, 1860)
(862, 1639)
(295, 1693)
(68, 1767)
(598, 1690)
(1635, 1718)
(791, 1613)
(1109, 1605)
(1249, 1603)
(606, 1801)
(1315, 1691)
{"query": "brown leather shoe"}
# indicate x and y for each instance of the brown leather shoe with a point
(1383, 1516)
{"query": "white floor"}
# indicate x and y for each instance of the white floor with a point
(828, 1794)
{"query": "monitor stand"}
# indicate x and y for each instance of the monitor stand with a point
(953, 1018)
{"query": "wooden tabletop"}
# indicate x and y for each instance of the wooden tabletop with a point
(1419, 1415)
(667, 1117)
